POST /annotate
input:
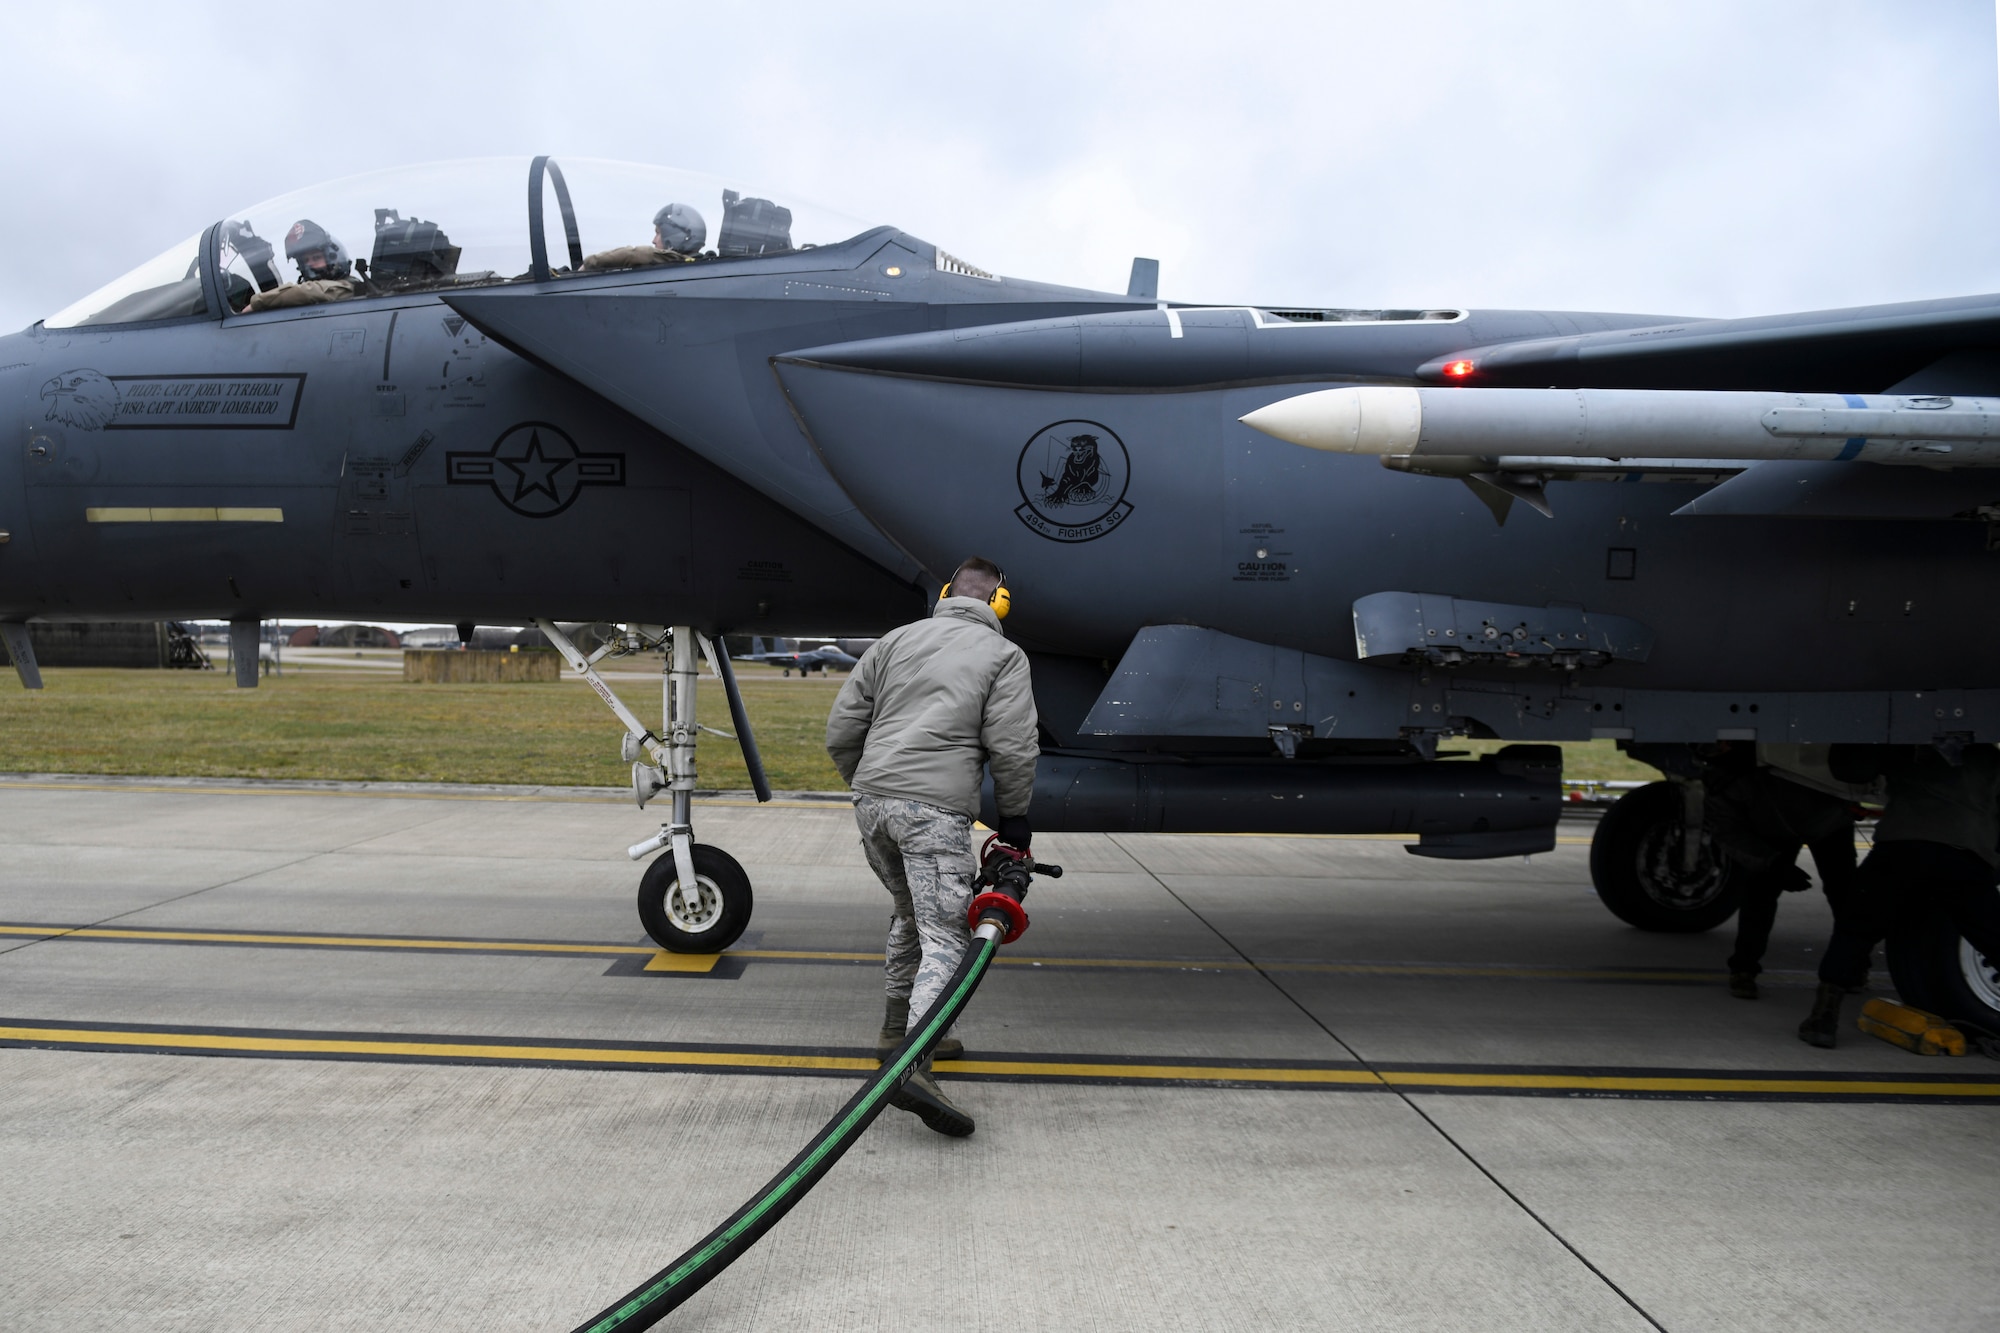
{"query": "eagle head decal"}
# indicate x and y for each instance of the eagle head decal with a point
(81, 398)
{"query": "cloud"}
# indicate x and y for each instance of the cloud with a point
(1700, 158)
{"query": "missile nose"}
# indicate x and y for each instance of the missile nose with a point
(1368, 419)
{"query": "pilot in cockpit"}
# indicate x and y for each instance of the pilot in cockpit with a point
(678, 235)
(325, 271)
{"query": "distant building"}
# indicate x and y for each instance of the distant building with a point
(358, 636)
(305, 636)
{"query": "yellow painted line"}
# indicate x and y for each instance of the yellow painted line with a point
(340, 941)
(1153, 964)
(182, 514)
(1516, 973)
(608, 798)
(807, 955)
(1165, 1072)
(434, 1050)
(1172, 1073)
(662, 961)
(1658, 1083)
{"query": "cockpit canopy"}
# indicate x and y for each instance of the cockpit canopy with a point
(449, 225)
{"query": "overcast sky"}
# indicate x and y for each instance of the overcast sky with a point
(1685, 158)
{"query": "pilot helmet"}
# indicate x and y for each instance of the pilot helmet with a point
(681, 229)
(307, 236)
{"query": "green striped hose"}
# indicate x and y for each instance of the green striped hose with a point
(682, 1278)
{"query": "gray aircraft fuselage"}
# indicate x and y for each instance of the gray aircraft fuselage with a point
(413, 471)
(808, 442)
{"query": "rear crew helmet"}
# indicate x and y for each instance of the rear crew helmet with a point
(307, 237)
(680, 229)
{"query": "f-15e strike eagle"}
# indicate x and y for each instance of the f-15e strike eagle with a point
(1265, 559)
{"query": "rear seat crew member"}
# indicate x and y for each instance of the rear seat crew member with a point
(922, 711)
(678, 234)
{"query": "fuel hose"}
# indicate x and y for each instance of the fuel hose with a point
(999, 920)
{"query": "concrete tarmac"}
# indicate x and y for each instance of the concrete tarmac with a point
(343, 1057)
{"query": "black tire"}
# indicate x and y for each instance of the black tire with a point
(723, 913)
(1935, 969)
(1635, 866)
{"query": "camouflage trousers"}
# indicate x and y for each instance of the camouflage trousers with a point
(923, 856)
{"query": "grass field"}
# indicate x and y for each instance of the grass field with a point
(360, 722)
(367, 725)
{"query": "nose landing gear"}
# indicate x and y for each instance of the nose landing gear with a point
(697, 898)
(705, 918)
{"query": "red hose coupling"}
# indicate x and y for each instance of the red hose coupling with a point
(1017, 915)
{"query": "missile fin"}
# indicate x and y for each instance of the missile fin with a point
(1528, 490)
(1495, 499)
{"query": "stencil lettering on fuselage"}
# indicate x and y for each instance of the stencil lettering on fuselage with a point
(461, 378)
(90, 400)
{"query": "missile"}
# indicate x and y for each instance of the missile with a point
(1391, 421)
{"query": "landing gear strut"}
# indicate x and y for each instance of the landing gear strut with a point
(696, 899)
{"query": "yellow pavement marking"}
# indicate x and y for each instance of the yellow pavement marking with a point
(608, 798)
(434, 1050)
(1421, 1079)
(661, 961)
(1167, 1072)
(328, 941)
(1671, 1083)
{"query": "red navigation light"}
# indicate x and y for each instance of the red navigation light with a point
(1457, 370)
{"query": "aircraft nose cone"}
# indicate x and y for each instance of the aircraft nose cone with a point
(1370, 419)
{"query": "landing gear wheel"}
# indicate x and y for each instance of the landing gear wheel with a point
(708, 920)
(1636, 866)
(1935, 969)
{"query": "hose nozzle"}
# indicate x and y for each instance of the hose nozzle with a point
(1006, 872)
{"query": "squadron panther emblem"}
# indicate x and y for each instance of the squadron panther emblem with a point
(1072, 476)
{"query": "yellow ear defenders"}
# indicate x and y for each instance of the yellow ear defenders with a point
(1001, 601)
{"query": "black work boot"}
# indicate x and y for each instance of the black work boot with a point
(921, 1096)
(1743, 985)
(896, 1026)
(1822, 1025)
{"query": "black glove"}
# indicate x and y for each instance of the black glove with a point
(1014, 831)
(1796, 880)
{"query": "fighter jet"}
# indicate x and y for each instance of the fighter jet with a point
(1266, 559)
(805, 661)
